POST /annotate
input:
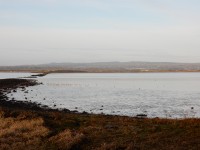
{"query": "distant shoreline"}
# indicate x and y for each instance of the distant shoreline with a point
(107, 67)
(101, 71)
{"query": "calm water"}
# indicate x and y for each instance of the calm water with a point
(5, 75)
(171, 95)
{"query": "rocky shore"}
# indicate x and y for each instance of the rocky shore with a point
(11, 85)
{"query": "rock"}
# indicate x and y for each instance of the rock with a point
(74, 111)
(141, 116)
(66, 110)
(44, 106)
(84, 112)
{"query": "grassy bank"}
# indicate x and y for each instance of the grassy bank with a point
(29, 129)
(27, 126)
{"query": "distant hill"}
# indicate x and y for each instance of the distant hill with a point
(108, 67)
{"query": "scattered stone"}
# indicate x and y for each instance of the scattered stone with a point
(44, 106)
(74, 111)
(141, 116)
(66, 110)
(84, 112)
(8, 85)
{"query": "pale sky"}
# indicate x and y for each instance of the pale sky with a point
(45, 31)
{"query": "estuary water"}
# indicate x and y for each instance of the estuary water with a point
(165, 95)
(6, 75)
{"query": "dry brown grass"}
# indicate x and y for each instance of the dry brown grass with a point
(53, 130)
(67, 140)
(22, 134)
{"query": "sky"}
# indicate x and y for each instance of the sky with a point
(46, 31)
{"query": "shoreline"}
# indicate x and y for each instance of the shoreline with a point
(31, 126)
(11, 85)
(8, 85)
(45, 72)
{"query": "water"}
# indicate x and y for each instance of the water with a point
(6, 75)
(166, 95)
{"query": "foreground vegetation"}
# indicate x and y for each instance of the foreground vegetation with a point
(28, 129)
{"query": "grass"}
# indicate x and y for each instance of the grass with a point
(53, 130)
(22, 134)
